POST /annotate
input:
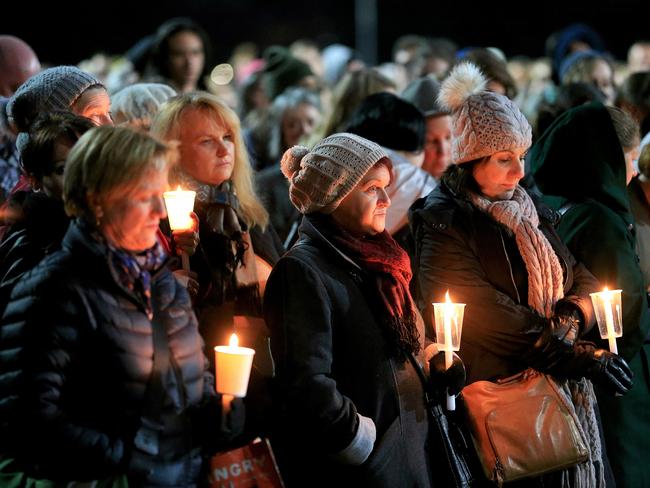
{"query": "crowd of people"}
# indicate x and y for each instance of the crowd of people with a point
(335, 203)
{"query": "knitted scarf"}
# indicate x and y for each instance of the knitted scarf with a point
(545, 288)
(382, 258)
(519, 216)
(134, 271)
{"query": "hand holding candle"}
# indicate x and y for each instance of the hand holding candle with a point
(607, 306)
(448, 326)
(180, 205)
(233, 368)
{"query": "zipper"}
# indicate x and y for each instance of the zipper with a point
(512, 277)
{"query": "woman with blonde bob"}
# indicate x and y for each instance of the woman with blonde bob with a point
(237, 246)
(109, 381)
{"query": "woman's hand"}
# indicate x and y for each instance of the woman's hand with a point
(187, 240)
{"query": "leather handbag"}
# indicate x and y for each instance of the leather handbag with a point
(451, 455)
(522, 427)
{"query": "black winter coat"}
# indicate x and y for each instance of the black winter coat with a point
(463, 250)
(331, 363)
(76, 356)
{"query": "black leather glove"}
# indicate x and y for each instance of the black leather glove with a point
(568, 309)
(555, 343)
(443, 380)
(606, 369)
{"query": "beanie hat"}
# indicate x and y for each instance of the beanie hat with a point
(423, 93)
(574, 58)
(138, 103)
(283, 70)
(319, 179)
(50, 90)
(483, 122)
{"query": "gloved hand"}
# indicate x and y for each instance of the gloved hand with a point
(606, 369)
(555, 343)
(566, 308)
(443, 380)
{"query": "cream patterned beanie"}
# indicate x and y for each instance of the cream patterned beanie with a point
(483, 122)
(319, 179)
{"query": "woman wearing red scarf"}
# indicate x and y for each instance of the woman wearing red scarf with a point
(343, 324)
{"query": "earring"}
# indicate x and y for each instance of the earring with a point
(99, 214)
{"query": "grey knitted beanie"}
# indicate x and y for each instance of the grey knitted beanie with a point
(319, 179)
(52, 89)
(483, 122)
(423, 93)
(138, 103)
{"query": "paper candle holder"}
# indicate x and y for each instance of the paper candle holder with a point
(179, 204)
(448, 319)
(233, 368)
(608, 309)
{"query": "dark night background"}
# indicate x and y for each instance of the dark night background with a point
(66, 32)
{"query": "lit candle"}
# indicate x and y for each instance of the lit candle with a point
(607, 306)
(233, 368)
(448, 325)
(180, 204)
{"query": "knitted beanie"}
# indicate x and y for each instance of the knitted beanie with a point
(423, 93)
(483, 122)
(50, 90)
(138, 103)
(319, 179)
(283, 70)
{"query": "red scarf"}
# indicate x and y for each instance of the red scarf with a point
(382, 258)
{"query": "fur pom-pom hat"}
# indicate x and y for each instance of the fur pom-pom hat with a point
(483, 122)
(319, 179)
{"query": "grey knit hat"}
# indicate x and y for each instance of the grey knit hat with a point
(483, 122)
(319, 179)
(52, 89)
(138, 103)
(423, 93)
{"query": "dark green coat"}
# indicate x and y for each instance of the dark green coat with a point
(579, 163)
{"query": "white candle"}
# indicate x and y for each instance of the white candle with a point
(233, 368)
(180, 204)
(609, 319)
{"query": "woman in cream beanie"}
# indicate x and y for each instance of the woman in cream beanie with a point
(343, 325)
(482, 237)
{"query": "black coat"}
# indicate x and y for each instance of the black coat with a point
(76, 356)
(331, 363)
(465, 251)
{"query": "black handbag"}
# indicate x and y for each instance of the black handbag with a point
(447, 443)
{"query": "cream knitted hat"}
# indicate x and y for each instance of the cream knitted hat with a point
(319, 179)
(483, 122)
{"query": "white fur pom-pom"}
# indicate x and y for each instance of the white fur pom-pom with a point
(464, 80)
(291, 158)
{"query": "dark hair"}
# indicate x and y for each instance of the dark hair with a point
(389, 121)
(459, 178)
(159, 54)
(627, 129)
(635, 90)
(47, 130)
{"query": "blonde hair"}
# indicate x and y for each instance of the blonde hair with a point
(166, 125)
(107, 160)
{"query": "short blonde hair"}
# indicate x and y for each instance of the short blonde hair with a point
(109, 159)
(166, 125)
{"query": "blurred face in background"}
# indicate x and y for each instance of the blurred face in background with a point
(52, 183)
(603, 77)
(207, 146)
(186, 60)
(298, 123)
(437, 145)
(94, 104)
(631, 157)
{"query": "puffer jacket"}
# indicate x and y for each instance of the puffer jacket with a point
(76, 356)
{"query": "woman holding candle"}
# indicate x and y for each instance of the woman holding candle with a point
(481, 235)
(349, 403)
(101, 368)
(237, 244)
(583, 163)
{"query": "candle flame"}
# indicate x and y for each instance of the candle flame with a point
(447, 299)
(234, 342)
(178, 188)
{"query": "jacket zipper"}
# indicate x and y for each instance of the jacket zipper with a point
(512, 277)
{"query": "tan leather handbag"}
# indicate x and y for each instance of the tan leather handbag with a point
(522, 427)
